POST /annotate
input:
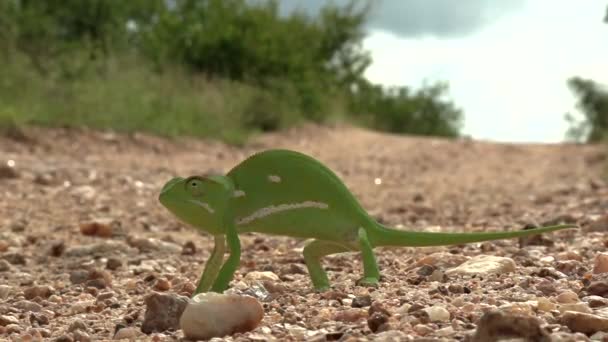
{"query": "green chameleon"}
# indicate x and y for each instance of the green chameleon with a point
(282, 192)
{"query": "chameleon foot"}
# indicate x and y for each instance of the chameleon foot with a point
(368, 282)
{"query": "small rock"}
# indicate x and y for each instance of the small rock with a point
(189, 248)
(79, 276)
(163, 312)
(8, 172)
(97, 228)
(103, 249)
(129, 333)
(494, 325)
(423, 329)
(151, 244)
(81, 336)
(567, 296)
(39, 318)
(113, 264)
(13, 329)
(43, 291)
(5, 266)
(77, 324)
(600, 264)
(57, 247)
(599, 225)
(584, 322)
(577, 307)
(162, 285)
(26, 305)
(6, 320)
(598, 288)
(362, 301)
(438, 314)
(594, 301)
(14, 258)
(5, 290)
(377, 321)
(64, 338)
(484, 264)
(252, 277)
(350, 315)
(442, 260)
(545, 304)
(212, 314)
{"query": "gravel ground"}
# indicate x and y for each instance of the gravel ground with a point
(86, 250)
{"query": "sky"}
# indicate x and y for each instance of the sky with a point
(507, 62)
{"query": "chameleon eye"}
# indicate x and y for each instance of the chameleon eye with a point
(194, 186)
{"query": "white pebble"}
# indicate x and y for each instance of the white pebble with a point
(484, 264)
(438, 314)
(213, 314)
(567, 297)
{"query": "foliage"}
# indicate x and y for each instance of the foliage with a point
(157, 65)
(593, 103)
(401, 110)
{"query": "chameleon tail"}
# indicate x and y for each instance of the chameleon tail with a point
(381, 235)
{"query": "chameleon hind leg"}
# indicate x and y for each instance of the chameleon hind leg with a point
(371, 274)
(313, 252)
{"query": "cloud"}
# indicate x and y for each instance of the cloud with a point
(418, 18)
(510, 77)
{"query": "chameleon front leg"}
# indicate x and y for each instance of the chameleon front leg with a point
(231, 264)
(371, 274)
(212, 267)
(313, 252)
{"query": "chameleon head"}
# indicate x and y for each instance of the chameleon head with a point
(198, 201)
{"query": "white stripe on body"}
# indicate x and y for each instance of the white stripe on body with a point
(273, 209)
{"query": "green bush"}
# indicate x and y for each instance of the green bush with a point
(593, 103)
(217, 68)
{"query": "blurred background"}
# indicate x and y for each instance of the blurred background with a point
(516, 71)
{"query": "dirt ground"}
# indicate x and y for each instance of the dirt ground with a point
(77, 208)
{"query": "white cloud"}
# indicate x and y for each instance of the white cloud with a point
(510, 78)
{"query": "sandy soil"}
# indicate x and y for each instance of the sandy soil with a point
(63, 280)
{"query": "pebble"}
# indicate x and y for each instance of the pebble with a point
(438, 313)
(350, 315)
(484, 264)
(600, 264)
(42, 291)
(584, 322)
(103, 248)
(99, 228)
(442, 260)
(26, 305)
(423, 329)
(129, 333)
(598, 288)
(595, 301)
(545, 304)
(7, 319)
(163, 311)
(209, 315)
(362, 301)
(5, 290)
(495, 324)
(5, 266)
(8, 172)
(77, 324)
(152, 244)
(578, 307)
(162, 285)
(261, 276)
(566, 297)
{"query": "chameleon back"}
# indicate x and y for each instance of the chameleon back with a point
(289, 193)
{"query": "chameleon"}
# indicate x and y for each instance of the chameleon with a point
(289, 193)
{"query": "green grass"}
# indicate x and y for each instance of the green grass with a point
(129, 97)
